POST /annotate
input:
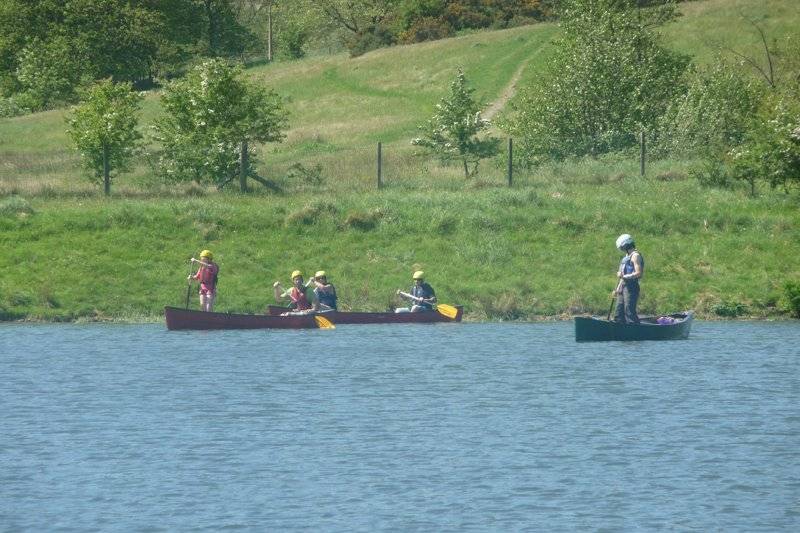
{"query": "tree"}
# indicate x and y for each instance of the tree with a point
(453, 131)
(103, 127)
(212, 118)
(608, 79)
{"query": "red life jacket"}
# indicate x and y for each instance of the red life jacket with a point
(208, 277)
(299, 299)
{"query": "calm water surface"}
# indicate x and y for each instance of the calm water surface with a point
(486, 427)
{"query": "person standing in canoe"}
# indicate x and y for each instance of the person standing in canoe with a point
(324, 292)
(297, 294)
(422, 295)
(631, 269)
(207, 275)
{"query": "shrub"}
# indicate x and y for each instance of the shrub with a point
(711, 173)
(791, 291)
(12, 107)
(426, 29)
(713, 115)
(311, 213)
(15, 206)
(370, 39)
(729, 309)
(364, 220)
(49, 73)
(308, 176)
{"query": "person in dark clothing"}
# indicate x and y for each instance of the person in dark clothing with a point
(422, 295)
(631, 269)
(324, 292)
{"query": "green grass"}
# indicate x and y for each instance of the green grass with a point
(543, 248)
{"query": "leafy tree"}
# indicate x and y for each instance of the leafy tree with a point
(714, 114)
(452, 133)
(770, 150)
(212, 118)
(103, 127)
(608, 79)
(48, 74)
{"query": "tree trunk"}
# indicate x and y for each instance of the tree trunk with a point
(212, 28)
(269, 32)
(243, 167)
(466, 169)
(106, 171)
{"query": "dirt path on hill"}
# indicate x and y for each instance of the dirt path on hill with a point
(508, 93)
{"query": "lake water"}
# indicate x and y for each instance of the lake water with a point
(450, 427)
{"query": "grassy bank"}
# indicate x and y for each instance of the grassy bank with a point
(540, 250)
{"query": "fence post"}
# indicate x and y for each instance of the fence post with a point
(510, 161)
(642, 152)
(106, 171)
(380, 167)
(244, 164)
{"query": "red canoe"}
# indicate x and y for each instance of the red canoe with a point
(347, 317)
(178, 318)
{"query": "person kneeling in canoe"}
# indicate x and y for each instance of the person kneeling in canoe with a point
(422, 294)
(297, 295)
(324, 293)
(207, 275)
(631, 269)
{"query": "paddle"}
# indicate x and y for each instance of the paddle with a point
(323, 323)
(613, 299)
(189, 286)
(444, 309)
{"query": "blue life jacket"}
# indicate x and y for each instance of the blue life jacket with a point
(327, 297)
(627, 266)
(423, 291)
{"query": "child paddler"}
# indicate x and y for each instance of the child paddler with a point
(207, 275)
(297, 294)
(324, 292)
(422, 295)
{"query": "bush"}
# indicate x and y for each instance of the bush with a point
(12, 107)
(308, 176)
(364, 220)
(15, 206)
(371, 39)
(49, 73)
(729, 309)
(714, 114)
(426, 29)
(711, 173)
(311, 213)
(791, 291)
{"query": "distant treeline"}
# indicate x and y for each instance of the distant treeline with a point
(51, 48)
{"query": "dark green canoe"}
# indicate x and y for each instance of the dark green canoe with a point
(661, 328)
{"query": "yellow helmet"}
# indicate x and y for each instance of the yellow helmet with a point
(296, 274)
(207, 253)
(320, 274)
(419, 274)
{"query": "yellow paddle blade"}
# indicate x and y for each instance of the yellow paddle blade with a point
(447, 310)
(323, 323)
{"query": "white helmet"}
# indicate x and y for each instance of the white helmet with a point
(624, 240)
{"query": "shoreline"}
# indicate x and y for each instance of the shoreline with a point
(539, 319)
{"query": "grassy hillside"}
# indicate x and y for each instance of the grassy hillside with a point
(543, 248)
(504, 253)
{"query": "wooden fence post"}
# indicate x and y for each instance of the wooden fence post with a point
(380, 166)
(510, 161)
(642, 152)
(244, 163)
(106, 171)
